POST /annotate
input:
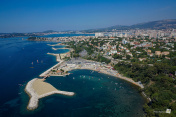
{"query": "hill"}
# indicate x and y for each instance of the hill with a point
(49, 31)
(161, 24)
(153, 25)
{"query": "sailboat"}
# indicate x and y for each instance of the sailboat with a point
(32, 65)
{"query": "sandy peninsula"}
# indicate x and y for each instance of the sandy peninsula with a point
(37, 88)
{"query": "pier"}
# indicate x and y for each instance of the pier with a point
(46, 73)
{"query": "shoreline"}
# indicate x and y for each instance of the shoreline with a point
(119, 76)
(34, 97)
(139, 84)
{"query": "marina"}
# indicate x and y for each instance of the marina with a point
(36, 86)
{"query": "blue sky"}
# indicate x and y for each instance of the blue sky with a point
(60, 15)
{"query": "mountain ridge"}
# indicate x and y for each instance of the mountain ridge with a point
(153, 25)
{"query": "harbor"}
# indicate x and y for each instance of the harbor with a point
(79, 63)
(37, 88)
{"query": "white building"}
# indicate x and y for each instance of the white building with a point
(112, 52)
(124, 41)
(99, 34)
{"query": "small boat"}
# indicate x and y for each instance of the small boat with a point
(37, 61)
(32, 63)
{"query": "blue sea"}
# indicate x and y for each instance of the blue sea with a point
(67, 35)
(97, 94)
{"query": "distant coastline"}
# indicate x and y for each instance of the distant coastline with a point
(40, 34)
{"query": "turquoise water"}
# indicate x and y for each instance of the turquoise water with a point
(96, 94)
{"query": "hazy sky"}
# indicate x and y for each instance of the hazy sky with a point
(59, 15)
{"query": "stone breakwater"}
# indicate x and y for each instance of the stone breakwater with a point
(47, 71)
(33, 102)
(35, 94)
(57, 92)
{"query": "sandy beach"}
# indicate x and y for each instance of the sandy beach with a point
(42, 87)
(92, 65)
(96, 66)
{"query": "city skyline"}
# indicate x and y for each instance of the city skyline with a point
(37, 16)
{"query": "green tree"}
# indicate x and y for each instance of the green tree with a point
(128, 57)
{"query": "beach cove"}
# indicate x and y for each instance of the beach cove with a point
(36, 86)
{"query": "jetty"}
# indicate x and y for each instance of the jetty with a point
(46, 73)
(58, 59)
(64, 48)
